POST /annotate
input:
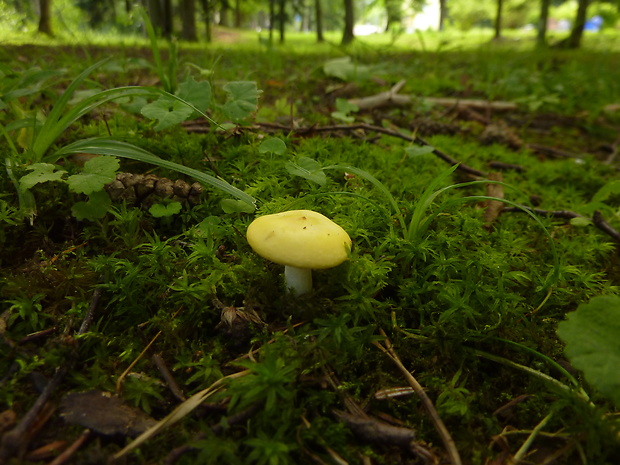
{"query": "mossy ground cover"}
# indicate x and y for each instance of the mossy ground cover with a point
(155, 308)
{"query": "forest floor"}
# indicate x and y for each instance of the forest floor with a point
(475, 319)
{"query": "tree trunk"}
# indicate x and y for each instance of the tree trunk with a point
(443, 11)
(282, 19)
(206, 8)
(272, 18)
(541, 37)
(498, 19)
(574, 40)
(318, 10)
(238, 15)
(188, 19)
(349, 21)
(167, 18)
(224, 9)
(128, 6)
(45, 17)
(156, 15)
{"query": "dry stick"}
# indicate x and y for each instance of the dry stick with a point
(597, 218)
(388, 349)
(168, 378)
(69, 451)
(11, 441)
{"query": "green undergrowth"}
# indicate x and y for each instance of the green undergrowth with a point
(470, 308)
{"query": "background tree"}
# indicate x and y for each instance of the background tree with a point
(574, 39)
(318, 13)
(349, 22)
(282, 18)
(207, 11)
(188, 20)
(498, 19)
(45, 17)
(393, 12)
(541, 36)
(443, 12)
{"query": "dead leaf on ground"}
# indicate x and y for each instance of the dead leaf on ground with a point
(104, 413)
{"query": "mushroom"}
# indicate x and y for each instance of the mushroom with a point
(302, 241)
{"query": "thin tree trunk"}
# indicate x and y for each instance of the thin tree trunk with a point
(498, 19)
(238, 15)
(272, 18)
(167, 19)
(188, 19)
(282, 19)
(349, 21)
(443, 11)
(318, 9)
(45, 17)
(574, 40)
(224, 10)
(206, 8)
(541, 37)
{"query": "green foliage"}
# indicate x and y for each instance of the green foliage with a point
(241, 100)
(591, 334)
(272, 145)
(343, 110)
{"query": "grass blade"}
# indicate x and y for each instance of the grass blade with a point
(105, 146)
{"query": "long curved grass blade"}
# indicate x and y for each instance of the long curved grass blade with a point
(106, 146)
(182, 410)
(378, 184)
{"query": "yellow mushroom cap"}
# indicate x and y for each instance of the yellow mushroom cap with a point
(299, 238)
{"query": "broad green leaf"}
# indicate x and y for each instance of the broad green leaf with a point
(168, 111)
(97, 205)
(272, 145)
(242, 100)
(97, 173)
(160, 210)
(592, 336)
(236, 206)
(307, 168)
(196, 93)
(41, 172)
(343, 105)
(417, 150)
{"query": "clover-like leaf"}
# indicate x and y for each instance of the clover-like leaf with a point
(592, 336)
(97, 173)
(272, 145)
(307, 168)
(242, 100)
(94, 208)
(41, 172)
(168, 111)
(160, 210)
(344, 68)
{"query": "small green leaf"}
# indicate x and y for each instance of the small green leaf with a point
(344, 106)
(160, 210)
(592, 336)
(242, 100)
(41, 172)
(168, 111)
(307, 168)
(97, 173)
(580, 221)
(236, 206)
(342, 117)
(417, 150)
(97, 205)
(272, 145)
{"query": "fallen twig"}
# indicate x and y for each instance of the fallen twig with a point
(393, 98)
(597, 219)
(388, 350)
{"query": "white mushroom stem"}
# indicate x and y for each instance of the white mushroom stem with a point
(298, 280)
